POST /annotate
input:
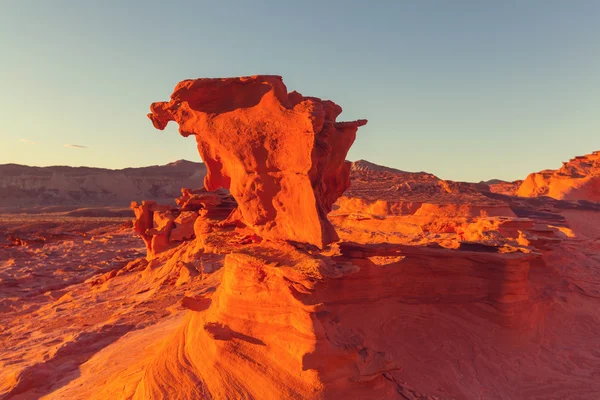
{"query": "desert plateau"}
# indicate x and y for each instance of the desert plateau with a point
(314, 200)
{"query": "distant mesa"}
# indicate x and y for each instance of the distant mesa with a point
(24, 186)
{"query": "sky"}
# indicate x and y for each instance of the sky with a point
(466, 90)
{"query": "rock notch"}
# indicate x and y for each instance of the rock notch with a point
(281, 155)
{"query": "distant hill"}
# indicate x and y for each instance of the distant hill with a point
(24, 186)
(50, 188)
(377, 182)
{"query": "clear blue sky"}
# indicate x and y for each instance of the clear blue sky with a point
(467, 90)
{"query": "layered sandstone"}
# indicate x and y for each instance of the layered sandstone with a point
(224, 316)
(282, 155)
(385, 191)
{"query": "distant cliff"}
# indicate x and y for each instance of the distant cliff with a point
(24, 186)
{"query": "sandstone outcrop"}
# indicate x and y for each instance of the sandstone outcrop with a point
(503, 187)
(282, 155)
(162, 226)
(285, 323)
(289, 321)
(577, 179)
(225, 315)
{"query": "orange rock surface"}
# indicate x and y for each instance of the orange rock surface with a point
(282, 155)
(578, 179)
(229, 317)
(162, 226)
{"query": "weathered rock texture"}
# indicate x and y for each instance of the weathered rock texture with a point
(578, 179)
(162, 226)
(282, 155)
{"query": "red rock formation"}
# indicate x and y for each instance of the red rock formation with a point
(578, 179)
(295, 326)
(163, 226)
(144, 222)
(281, 155)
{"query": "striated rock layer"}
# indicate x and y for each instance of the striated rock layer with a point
(380, 190)
(282, 155)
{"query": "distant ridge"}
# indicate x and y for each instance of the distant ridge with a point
(26, 186)
(364, 165)
(179, 163)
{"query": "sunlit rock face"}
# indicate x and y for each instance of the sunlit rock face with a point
(163, 226)
(282, 155)
(577, 179)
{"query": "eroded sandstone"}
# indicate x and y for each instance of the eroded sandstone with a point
(282, 155)
(162, 226)
(577, 179)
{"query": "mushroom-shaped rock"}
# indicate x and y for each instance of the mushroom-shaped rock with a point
(281, 155)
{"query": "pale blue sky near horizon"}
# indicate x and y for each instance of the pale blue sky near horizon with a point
(466, 90)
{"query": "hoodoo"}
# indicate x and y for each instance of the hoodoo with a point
(282, 155)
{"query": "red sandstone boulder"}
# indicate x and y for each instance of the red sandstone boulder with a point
(282, 155)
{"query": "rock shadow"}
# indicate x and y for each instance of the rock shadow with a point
(44, 378)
